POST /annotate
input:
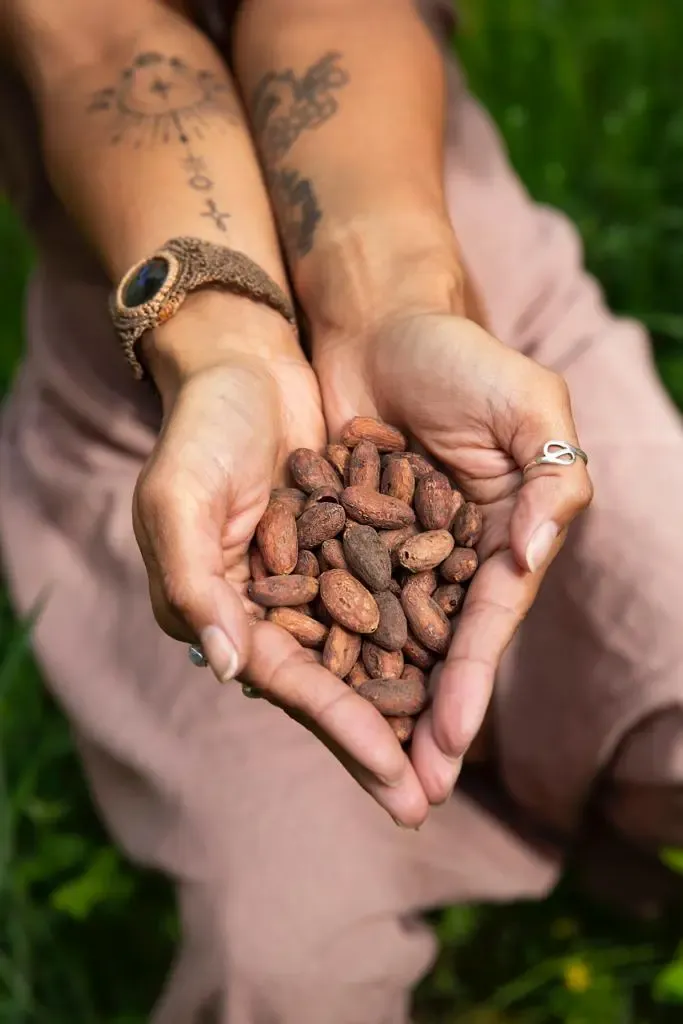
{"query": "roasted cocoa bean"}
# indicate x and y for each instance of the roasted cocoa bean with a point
(365, 428)
(284, 591)
(311, 470)
(367, 557)
(348, 601)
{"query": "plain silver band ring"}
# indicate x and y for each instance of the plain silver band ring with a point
(557, 453)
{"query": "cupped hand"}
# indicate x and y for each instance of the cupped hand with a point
(484, 411)
(227, 431)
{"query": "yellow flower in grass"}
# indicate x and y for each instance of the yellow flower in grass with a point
(577, 976)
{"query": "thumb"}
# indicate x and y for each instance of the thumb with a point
(554, 492)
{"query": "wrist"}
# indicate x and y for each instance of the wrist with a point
(377, 267)
(213, 329)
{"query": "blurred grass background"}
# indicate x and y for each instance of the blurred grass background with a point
(589, 95)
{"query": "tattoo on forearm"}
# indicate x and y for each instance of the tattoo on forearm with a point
(297, 207)
(283, 106)
(161, 99)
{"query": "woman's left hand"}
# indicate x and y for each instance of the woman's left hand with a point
(484, 411)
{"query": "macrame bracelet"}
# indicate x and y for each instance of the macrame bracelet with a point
(154, 290)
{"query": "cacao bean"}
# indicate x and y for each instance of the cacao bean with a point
(341, 651)
(398, 479)
(291, 497)
(311, 470)
(367, 557)
(374, 509)
(458, 501)
(320, 522)
(381, 664)
(365, 428)
(394, 697)
(403, 727)
(364, 466)
(421, 583)
(392, 631)
(434, 501)
(257, 569)
(339, 455)
(426, 620)
(357, 675)
(283, 591)
(276, 537)
(306, 630)
(418, 463)
(307, 564)
(413, 672)
(348, 601)
(332, 552)
(449, 598)
(426, 550)
(417, 654)
(467, 525)
(460, 565)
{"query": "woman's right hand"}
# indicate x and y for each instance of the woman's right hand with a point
(229, 425)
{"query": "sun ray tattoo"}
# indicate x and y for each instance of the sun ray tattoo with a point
(161, 99)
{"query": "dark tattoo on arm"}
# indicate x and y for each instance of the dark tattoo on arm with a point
(284, 106)
(298, 210)
(161, 99)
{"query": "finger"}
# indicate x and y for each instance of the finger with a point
(181, 545)
(552, 495)
(497, 601)
(289, 676)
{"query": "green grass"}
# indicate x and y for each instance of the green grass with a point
(589, 95)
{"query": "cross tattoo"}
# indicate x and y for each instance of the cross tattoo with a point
(215, 214)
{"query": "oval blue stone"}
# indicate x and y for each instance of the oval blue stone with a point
(146, 283)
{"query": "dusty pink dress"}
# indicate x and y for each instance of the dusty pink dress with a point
(300, 899)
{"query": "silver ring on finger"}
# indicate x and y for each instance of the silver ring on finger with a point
(196, 656)
(557, 453)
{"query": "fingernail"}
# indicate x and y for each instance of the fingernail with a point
(406, 828)
(220, 653)
(540, 545)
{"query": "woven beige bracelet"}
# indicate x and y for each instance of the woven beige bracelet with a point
(153, 290)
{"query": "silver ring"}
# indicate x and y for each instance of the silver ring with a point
(196, 656)
(557, 453)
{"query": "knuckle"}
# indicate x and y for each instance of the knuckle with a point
(151, 496)
(163, 614)
(557, 386)
(585, 492)
(179, 594)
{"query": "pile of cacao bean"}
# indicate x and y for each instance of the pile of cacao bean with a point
(366, 559)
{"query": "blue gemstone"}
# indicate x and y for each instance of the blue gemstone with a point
(147, 282)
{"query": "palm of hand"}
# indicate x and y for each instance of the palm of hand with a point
(223, 446)
(440, 380)
(479, 408)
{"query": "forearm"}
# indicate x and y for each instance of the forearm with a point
(346, 99)
(144, 140)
